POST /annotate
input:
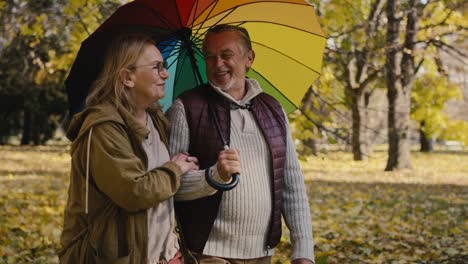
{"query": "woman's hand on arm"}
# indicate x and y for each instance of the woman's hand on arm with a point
(185, 162)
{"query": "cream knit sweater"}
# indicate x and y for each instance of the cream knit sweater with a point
(162, 240)
(242, 222)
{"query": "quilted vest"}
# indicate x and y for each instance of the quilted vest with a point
(197, 216)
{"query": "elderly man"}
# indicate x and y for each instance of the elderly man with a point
(242, 225)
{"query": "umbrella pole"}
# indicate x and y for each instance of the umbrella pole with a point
(193, 61)
(209, 179)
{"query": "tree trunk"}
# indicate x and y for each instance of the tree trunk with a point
(36, 129)
(307, 104)
(426, 143)
(311, 144)
(399, 153)
(398, 96)
(26, 136)
(360, 139)
(360, 72)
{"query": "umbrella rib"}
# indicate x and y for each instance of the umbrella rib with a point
(174, 53)
(207, 17)
(276, 2)
(201, 35)
(200, 54)
(168, 45)
(194, 12)
(285, 25)
(172, 63)
(178, 13)
(289, 57)
(242, 22)
(232, 9)
(239, 23)
(221, 19)
(197, 41)
(162, 19)
(178, 72)
(174, 47)
(279, 91)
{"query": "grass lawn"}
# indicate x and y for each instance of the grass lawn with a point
(361, 214)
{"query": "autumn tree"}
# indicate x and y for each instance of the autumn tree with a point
(407, 42)
(37, 49)
(355, 41)
(33, 37)
(429, 95)
(323, 116)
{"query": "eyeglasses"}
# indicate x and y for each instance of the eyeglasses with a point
(159, 66)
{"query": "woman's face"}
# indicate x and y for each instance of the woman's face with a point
(149, 77)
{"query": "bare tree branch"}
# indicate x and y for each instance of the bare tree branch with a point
(449, 49)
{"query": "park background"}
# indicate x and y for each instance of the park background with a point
(381, 135)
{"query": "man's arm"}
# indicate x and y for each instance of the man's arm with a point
(193, 184)
(295, 206)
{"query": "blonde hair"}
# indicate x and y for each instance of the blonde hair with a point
(123, 52)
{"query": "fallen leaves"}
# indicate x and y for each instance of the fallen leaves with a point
(367, 217)
(363, 215)
(33, 191)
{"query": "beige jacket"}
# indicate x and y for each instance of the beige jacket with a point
(110, 190)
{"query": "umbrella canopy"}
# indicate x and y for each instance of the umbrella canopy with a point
(285, 35)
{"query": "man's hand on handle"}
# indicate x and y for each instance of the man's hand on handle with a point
(228, 164)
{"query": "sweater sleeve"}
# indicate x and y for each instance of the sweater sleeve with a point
(295, 204)
(193, 183)
(122, 175)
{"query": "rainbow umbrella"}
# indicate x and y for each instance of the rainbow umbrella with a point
(285, 34)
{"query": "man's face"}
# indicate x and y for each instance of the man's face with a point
(226, 60)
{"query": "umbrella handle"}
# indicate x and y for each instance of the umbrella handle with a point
(209, 179)
(220, 186)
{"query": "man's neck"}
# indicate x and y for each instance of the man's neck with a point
(237, 93)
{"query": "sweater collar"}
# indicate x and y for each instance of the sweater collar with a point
(253, 89)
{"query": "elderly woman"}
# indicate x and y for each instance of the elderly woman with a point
(120, 205)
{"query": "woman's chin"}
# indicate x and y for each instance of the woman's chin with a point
(158, 96)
